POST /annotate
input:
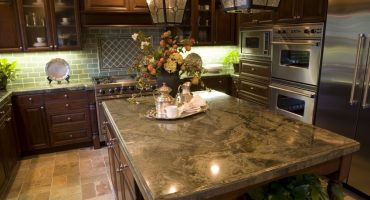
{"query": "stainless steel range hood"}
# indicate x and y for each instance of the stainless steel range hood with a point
(249, 6)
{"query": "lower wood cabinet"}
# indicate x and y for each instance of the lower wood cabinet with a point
(123, 181)
(55, 119)
(8, 147)
(254, 80)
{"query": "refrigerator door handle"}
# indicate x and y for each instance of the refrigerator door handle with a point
(361, 38)
(367, 79)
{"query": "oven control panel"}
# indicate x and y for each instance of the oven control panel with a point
(124, 90)
(306, 31)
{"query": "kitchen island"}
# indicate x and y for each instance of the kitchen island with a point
(217, 154)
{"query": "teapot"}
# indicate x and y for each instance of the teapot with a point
(163, 100)
(183, 93)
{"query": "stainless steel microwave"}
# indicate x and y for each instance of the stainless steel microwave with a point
(256, 42)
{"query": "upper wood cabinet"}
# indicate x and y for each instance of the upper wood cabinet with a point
(116, 5)
(296, 11)
(206, 21)
(49, 24)
(10, 37)
(254, 19)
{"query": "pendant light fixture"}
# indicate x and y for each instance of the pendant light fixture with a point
(166, 11)
(247, 6)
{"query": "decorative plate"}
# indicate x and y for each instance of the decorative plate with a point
(57, 69)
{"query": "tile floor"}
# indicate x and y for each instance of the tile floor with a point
(70, 175)
(73, 175)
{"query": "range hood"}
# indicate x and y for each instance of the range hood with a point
(249, 6)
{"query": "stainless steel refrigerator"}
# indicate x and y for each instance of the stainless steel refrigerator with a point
(343, 96)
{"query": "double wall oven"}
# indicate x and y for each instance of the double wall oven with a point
(296, 59)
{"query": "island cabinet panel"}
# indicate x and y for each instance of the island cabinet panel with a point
(122, 179)
(10, 36)
(298, 11)
(8, 146)
(55, 119)
(254, 80)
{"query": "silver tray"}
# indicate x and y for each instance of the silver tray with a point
(151, 114)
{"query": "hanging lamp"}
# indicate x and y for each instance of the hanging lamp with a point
(166, 11)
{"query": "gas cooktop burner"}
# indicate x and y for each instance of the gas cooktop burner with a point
(114, 79)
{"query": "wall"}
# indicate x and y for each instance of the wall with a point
(85, 63)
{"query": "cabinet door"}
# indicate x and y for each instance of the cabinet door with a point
(286, 11)
(139, 6)
(225, 27)
(106, 5)
(10, 36)
(312, 10)
(66, 24)
(219, 83)
(33, 128)
(204, 21)
(254, 19)
(7, 144)
(35, 24)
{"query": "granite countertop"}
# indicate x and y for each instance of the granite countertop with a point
(53, 87)
(233, 145)
(4, 94)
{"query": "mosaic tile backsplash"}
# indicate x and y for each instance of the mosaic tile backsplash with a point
(97, 57)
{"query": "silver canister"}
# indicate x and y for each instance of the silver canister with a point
(163, 100)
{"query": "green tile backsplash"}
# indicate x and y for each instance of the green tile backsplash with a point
(85, 63)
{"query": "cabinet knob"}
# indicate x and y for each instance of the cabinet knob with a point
(20, 47)
(69, 118)
(67, 105)
(65, 96)
(55, 46)
(121, 167)
(252, 88)
(298, 17)
(105, 122)
(252, 69)
(42, 107)
(30, 99)
(51, 46)
(219, 81)
(10, 104)
(71, 136)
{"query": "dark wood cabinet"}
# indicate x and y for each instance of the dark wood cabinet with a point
(220, 83)
(31, 122)
(116, 6)
(254, 19)
(8, 146)
(235, 85)
(123, 181)
(49, 24)
(254, 80)
(208, 24)
(297, 11)
(55, 119)
(10, 36)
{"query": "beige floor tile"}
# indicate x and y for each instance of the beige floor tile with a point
(72, 168)
(66, 192)
(88, 191)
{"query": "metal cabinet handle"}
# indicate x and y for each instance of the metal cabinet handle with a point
(361, 38)
(42, 107)
(252, 69)
(252, 88)
(307, 94)
(71, 136)
(105, 122)
(51, 46)
(67, 105)
(55, 46)
(20, 47)
(69, 118)
(121, 167)
(30, 99)
(65, 96)
(297, 43)
(367, 79)
(219, 81)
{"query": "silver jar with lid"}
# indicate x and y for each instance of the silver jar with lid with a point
(163, 100)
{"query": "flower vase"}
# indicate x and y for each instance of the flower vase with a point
(3, 82)
(172, 80)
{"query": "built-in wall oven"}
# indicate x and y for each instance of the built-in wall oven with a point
(296, 60)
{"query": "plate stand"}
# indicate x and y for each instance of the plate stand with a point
(59, 82)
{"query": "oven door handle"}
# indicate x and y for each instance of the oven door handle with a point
(297, 43)
(294, 91)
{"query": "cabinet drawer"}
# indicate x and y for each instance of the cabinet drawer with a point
(69, 95)
(30, 100)
(250, 97)
(65, 106)
(69, 126)
(67, 118)
(255, 68)
(70, 137)
(260, 90)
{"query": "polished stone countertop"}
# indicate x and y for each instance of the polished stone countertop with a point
(53, 87)
(4, 94)
(233, 145)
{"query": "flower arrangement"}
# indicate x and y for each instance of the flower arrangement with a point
(167, 57)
